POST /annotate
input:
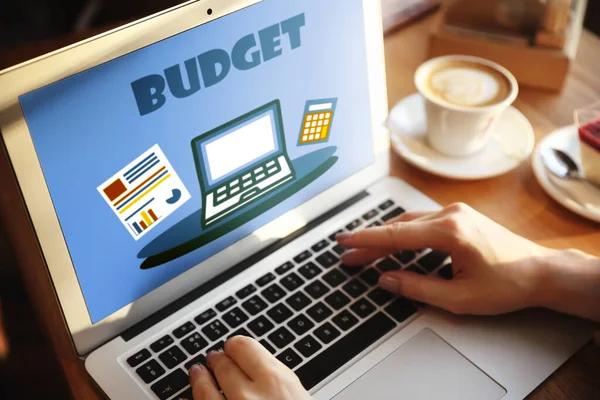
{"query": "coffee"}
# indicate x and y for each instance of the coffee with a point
(467, 84)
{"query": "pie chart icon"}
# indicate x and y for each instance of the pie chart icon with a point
(176, 195)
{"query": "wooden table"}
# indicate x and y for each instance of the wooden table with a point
(516, 200)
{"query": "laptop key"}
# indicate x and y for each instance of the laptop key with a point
(241, 332)
(370, 215)
(327, 259)
(187, 394)
(262, 281)
(319, 312)
(374, 224)
(215, 330)
(320, 246)
(432, 260)
(273, 293)
(405, 256)
(245, 292)
(363, 308)
(219, 346)
(339, 249)
(307, 346)
(198, 360)
(348, 347)
(386, 204)
(401, 309)
(290, 358)
(300, 258)
(370, 276)
(335, 278)
(172, 357)
(309, 271)
(416, 270)
(354, 288)
(279, 313)
(260, 326)
(170, 384)
(354, 224)
(281, 337)
(334, 234)
(380, 296)
(388, 265)
(183, 330)
(393, 214)
(316, 289)
(161, 343)
(345, 320)
(292, 281)
(282, 269)
(327, 333)
(300, 325)
(235, 317)
(254, 305)
(194, 343)
(337, 300)
(205, 316)
(298, 301)
(150, 371)
(446, 272)
(138, 358)
(268, 346)
(225, 304)
(351, 270)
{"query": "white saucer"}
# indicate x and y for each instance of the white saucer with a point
(579, 197)
(511, 143)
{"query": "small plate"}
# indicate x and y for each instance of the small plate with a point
(512, 142)
(579, 197)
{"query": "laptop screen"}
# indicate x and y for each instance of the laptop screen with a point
(159, 159)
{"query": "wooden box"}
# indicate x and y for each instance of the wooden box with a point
(532, 66)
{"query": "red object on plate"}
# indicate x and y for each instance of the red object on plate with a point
(590, 134)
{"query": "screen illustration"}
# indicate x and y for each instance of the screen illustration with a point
(317, 121)
(145, 192)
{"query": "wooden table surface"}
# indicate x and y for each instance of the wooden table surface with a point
(516, 200)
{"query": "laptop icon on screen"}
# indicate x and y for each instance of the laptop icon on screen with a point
(240, 161)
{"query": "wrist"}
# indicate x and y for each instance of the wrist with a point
(569, 282)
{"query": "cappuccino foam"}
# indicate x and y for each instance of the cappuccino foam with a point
(468, 84)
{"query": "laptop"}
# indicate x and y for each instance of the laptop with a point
(240, 161)
(156, 259)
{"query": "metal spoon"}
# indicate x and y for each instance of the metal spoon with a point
(562, 165)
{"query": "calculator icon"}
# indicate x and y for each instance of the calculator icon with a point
(317, 121)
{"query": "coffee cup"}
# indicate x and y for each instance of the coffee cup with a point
(465, 97)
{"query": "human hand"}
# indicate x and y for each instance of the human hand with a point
(245, 370)
(495, 271)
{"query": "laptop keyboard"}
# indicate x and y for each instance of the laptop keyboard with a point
(312, 313)
(257, 175)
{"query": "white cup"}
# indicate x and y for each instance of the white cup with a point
(459, 131)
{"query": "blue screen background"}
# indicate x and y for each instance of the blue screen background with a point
(87, 127)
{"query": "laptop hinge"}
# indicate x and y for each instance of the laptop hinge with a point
(236, 269)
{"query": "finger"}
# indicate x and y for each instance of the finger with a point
(203, 385)
(360, 257)
(402, 235)
(449, 295)
(411, 216)
(254, 360)
(230, 376)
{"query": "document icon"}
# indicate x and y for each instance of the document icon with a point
(145, 192)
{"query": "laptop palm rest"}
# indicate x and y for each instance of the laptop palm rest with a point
(425, 367)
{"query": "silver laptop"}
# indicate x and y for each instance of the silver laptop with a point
(150, 280)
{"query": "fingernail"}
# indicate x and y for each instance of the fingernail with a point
(389, 282)
(195, 369)
(342, 236)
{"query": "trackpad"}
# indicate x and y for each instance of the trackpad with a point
(425, 367)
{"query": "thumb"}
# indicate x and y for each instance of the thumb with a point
(425, 289)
